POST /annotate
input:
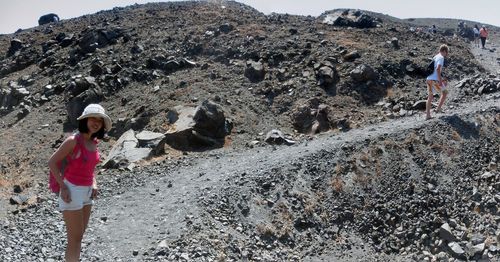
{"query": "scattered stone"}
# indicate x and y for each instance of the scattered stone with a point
(456, 250)
(98, 38)
(226, 28)
(15, 45)
(276, 137)
(326, 76)
(363, 73)
(255, 71)
(18, 189)
(311, 117)
(352, 56)
(19, 199)
(419, 105)
(137, 49)
(446, 234)
(395, 43)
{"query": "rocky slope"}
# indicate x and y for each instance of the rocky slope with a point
(392, 188)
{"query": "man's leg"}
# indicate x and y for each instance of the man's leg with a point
(441, 100)
(429, 100)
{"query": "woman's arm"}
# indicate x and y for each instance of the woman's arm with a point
(64, 150)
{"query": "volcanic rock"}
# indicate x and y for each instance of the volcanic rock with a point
(206, 125)
(255, 71)
(127, 149)
(352, 18)
(276, 137)
(363, 73)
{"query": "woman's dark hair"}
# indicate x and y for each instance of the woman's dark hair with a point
(83, 128)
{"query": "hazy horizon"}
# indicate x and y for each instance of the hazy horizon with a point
(481, 11)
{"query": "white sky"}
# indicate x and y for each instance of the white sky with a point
(15, 14)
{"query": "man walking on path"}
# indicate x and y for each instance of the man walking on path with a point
(435, 82)
(483, 33)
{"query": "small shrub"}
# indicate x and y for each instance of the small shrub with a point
(337, 184)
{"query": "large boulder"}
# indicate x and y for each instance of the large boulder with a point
(131, 148)
(210, 121)
(205, 125)
(48, 18)
(351, 18)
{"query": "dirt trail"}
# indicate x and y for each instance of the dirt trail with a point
(138, 217)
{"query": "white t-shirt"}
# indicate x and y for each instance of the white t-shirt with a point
(438, 60)
(476, 32)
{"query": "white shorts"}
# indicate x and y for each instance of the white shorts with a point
(80, 196)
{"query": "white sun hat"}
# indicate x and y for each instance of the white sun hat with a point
(95, 110)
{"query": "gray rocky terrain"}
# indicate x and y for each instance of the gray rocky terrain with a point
(354, 174)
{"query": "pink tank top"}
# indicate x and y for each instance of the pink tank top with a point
(80, 167)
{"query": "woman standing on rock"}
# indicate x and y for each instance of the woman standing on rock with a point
(436, 82)
(77, 182)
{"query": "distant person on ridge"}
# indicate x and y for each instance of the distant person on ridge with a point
(436, 82)
(483, 33)
(476, 35)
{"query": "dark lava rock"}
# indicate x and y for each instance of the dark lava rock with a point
(255, 71)
(446, 234)
(209, 120)
(363, 73)
(15, 45)
(351, 56)
(98, 38)
(311, 117)
(326, 76)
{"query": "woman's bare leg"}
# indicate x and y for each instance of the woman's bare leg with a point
(74, 230)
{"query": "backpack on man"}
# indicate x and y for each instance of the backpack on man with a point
(429, 70)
